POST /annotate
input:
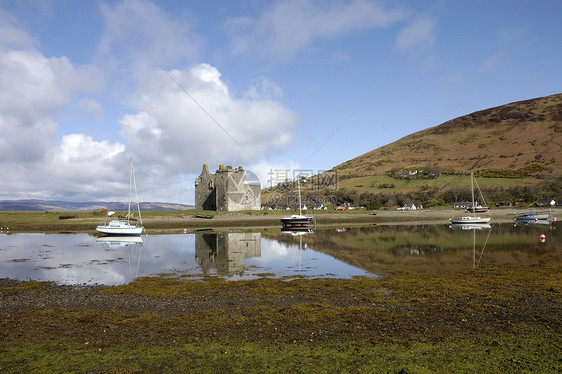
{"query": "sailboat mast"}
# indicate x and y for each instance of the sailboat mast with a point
(300, 205)
(130, 187)
(472, 189)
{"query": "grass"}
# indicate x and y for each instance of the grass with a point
(503, 354)
(372, 183)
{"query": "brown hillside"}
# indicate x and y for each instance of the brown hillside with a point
(525, 135)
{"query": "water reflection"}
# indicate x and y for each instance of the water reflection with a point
(327, 252)
(128, 243)
(226, 251)
(437, 248)
(83, 259)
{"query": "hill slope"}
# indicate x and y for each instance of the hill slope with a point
(525, 135)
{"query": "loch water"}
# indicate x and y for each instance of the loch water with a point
(335, 252)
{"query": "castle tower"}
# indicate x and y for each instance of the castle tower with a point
(226, 191)
(205, 192)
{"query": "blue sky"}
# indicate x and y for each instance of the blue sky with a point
(269, 85)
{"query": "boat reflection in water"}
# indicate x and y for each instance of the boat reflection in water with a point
(296, 230)
(469, 226)
(474, 228)
(226, 252)
(118, 242)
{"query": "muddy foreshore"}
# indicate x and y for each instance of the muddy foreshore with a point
(506, 319)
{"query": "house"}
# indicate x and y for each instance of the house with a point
(409, 207)
(549, 202)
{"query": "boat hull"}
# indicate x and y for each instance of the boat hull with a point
(531, 217)
(470, 220)
(296, 220)
(477, 210)
(119, 228)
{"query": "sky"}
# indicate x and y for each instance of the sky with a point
(279, 87)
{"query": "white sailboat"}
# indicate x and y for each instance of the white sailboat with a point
(471, 219)
(296, 219)
(117, 227)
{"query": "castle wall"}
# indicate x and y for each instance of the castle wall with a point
(226, 191)
(205, 192)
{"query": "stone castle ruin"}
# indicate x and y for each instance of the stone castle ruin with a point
(226, 190)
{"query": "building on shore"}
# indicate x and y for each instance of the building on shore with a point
(226, 190)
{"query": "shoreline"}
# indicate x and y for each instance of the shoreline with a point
(171, 220)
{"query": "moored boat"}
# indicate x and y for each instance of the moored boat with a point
(116, 227)
(531, 217)
(473, 208)
(470, 220)
(296, 219)
(120, 228)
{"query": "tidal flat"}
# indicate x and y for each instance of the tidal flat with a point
(490, 319)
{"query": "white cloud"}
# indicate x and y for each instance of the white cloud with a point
(421, 32)
(35, 88)
(288, 27)
(177, 129)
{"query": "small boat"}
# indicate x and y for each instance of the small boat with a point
(477, 209)
(117, 227)
(467, 220)
(531, 217)
(120, 228)
(203, 215)
(473, 208)
(296, 219)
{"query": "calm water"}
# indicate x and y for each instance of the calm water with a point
(341, 253)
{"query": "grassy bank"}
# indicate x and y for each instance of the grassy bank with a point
(494, 319)
(25, 221)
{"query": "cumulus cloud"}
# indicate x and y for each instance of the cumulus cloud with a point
(421, 32)
(188, 117)
(288, 27)
(176, 120)
(34, 89)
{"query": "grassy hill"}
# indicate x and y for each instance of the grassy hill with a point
(514, 149)
(523, 136)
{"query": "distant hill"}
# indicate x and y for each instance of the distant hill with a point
(524, 136)
(51, 205)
